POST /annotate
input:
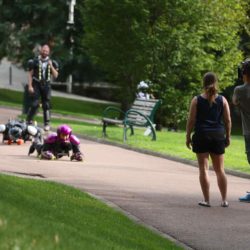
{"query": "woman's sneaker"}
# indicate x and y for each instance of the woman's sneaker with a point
(224, 204)
(204, 204)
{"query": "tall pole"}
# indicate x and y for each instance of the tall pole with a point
(70, 27)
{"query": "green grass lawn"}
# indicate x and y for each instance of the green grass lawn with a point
(59, 104)
(44, 215)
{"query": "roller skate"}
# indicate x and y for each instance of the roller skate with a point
(76, 156)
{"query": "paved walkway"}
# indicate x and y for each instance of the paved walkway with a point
(158, 192)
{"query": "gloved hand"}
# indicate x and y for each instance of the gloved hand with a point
(48, 155)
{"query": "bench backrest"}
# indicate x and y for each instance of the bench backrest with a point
(147, 107)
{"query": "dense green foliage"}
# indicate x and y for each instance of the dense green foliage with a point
(26, 24)
(245, 31)
(170, 43)
(43, 215)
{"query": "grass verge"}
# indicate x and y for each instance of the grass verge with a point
(60, 105)
(44, 215)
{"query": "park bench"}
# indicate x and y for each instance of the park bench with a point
(141, 114)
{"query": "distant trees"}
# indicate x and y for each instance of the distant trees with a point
(172, 43)
(26, 23)
(245, 31)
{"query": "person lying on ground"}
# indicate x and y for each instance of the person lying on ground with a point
(18, 132)
(57, 145)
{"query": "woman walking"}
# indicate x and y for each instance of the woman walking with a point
(209, 117)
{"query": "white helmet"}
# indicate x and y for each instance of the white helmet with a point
(142, 85)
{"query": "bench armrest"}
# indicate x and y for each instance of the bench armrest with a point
(131, 123)
(111, 109)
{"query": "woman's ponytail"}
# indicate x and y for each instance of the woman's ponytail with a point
(209, 84)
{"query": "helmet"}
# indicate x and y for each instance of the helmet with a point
(15, 133)
(64, 129)
(142, 85)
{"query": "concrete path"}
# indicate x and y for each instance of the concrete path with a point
(159, 192)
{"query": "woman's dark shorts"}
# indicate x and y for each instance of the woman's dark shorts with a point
(208, 142)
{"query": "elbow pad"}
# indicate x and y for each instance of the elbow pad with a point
(51, 138)
(2, 128)
(74, 140)
(55, 65)
(30, 64)
(32, 130)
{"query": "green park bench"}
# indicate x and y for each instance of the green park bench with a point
(141, 114)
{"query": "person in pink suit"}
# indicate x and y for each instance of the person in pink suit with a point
(57, 145)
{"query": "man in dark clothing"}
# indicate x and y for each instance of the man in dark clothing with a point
(241, 98)
(41, 69)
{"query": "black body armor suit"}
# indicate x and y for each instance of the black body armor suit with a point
(41, 84)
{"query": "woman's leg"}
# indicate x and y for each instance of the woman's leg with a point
(204, 176)
(218, 165)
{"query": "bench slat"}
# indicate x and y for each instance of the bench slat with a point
(145, 105)
(142, 108)
(136, 117)
(146, 110)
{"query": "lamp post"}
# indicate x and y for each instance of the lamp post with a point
(70, 26)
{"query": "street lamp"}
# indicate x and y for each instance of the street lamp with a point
(71, 4)
(70, 27)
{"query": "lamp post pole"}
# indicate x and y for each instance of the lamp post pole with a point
(70, 26)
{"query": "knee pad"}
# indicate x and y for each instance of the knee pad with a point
(46, 105)
(35, 104)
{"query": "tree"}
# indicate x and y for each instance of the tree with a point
(171, 43)
(25, 24)
(113, 39)
(245, 31)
